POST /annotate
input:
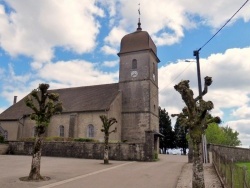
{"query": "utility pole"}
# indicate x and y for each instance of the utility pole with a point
(204, 142)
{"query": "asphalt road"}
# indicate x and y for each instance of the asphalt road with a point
(78, 173)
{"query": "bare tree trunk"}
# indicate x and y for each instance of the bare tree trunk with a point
(36, 160)
(198, 174)
(106, 149)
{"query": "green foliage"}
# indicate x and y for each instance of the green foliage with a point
(181, 136)
(231, 137)
(84, 140)
(44, 106)
(156, 156)
(222, 135)
(214, 134)
(168, 141)
(59, 139)
(1, 139)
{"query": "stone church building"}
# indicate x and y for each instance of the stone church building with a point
(133, 101)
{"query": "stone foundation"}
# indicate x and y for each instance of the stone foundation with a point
(117, 151)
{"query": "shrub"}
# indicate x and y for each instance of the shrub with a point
(84, 140)
(155, 156)
(1, 139)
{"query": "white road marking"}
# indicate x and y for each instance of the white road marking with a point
(84, 176)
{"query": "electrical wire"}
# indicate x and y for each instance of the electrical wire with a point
(223, 25)
(206, 44)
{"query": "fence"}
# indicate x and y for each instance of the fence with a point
(231, 172)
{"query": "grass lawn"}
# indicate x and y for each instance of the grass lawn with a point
(246, 164)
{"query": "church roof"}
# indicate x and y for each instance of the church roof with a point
(137, 41)
(77, 99)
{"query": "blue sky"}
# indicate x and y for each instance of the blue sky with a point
(75, 43)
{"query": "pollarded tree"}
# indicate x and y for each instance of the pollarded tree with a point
(106, 124)
(195, 117)
(44, 106)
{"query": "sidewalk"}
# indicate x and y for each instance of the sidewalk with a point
(210, 176)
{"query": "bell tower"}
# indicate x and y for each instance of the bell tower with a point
(138, 82)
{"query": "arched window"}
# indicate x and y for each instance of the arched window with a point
(134, 64)
(5, 135)
(90, 131)
(61, 131)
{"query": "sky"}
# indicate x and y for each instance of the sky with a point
(75, 43)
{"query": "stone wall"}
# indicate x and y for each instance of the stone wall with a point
(3, 148)
(118, 151)
(231, 153)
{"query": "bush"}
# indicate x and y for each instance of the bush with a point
(155, 156)
(84, 140)
(59, 139)
(1, 139)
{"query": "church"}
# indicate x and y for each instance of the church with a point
(133, 101)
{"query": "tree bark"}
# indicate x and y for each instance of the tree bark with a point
(36, 160)
(198, 174)
(190, 151)
(106, 149)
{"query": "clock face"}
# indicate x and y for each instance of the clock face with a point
(134, 74)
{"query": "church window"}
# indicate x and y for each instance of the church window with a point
(90, 131)
(61, 131)
(5, 135)
(134, 64)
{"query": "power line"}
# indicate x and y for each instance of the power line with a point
(223, 25)
(179, 73)
(206, 44)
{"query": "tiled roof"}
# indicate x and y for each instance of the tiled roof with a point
(77, 99)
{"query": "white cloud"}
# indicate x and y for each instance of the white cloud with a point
(36, 31)
(242, 112)
(166, 20)
(109, 50)
(219, 11)
(230, 88)
(61, 74)
(110, 63)
(113, 40)
(75, 73)
(242, 126)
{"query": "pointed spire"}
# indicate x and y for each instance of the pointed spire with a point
(139, 25)
(139, 21)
